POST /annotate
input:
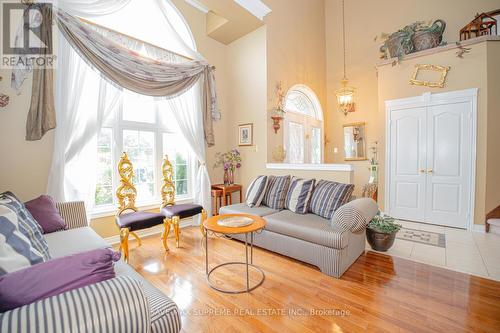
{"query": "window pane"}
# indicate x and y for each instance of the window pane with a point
(181, 187)
(139, 145)
(177, 151)
(104, 182)
(295, 143)
(138, 108)
(315, 145)
(297, 101)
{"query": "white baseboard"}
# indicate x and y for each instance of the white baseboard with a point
(158, 229)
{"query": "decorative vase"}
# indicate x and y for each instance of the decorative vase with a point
(380, 241)
(397, 45)
(228, 177)
(429, 38)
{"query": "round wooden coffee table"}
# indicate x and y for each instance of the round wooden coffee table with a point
(212, 227)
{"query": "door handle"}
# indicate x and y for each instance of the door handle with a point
(421, 170)
(430, 171)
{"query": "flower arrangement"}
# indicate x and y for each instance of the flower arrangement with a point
(230, 161)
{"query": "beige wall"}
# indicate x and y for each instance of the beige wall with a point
(24, 166)
(364, 21)
(296, 53)
(246, 59)
(492, 199)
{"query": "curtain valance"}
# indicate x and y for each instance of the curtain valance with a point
(129, 69)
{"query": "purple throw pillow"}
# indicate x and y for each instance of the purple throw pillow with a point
(47, 215)
(56, 276)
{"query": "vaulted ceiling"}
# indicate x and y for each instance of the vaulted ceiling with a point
(228, 20)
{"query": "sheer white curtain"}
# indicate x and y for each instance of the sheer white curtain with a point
(72, 174)
(74, 160)
(89, 8)
(186, 110)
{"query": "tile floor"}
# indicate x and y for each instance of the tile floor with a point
(466, 251)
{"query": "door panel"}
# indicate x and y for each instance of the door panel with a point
(448, 164)
(407, 159)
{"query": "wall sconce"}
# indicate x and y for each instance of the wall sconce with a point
(278, 112)
(276, 123)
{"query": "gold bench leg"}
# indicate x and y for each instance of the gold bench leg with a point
(136, 237)
(124, 232)
(176, 221)
(203, 218)
(166, 224)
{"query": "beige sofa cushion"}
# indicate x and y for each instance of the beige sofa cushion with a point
(308, 227)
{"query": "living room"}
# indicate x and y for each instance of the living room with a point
(250, 166)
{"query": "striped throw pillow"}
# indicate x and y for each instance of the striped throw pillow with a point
(256, 191)
(299, 195)
(16, 251)
(328, 196)
(277, 189)
(27, 224)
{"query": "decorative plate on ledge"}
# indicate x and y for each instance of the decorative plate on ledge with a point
(235, 221)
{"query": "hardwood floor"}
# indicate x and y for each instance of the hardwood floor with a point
(378, 293)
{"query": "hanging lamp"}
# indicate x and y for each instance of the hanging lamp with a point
(345, 95)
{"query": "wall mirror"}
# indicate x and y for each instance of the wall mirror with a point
(354, 142)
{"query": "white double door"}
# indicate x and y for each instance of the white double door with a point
(431, 159)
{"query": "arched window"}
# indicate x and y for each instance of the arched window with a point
(303, 126)
(137, 125)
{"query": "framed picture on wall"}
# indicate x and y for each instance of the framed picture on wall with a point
(245, 135)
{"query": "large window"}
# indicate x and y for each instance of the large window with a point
(303, 126)
(139, 125)
(147, 136)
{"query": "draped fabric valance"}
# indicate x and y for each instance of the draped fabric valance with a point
(131, 70)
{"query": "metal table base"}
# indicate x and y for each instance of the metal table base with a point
(246, 263)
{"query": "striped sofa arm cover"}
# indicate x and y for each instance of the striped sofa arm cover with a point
(355, 215)
(73, 213)
(117, 305)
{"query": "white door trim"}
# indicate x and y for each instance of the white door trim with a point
(425, 100)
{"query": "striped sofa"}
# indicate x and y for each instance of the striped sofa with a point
(125, 304)
(333, 246)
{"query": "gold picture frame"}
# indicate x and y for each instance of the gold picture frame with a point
(355, 141)
(443, 70)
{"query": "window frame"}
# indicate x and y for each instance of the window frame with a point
(307, 120)
(118, 125)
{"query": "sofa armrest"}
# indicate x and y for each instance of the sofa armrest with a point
(115, 305)
(73, 213)
(355, 215)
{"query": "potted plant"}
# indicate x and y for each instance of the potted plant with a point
(381, 232)
(230, 161)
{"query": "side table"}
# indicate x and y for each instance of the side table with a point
(213, 228)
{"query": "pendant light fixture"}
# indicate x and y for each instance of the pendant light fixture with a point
(345, 95)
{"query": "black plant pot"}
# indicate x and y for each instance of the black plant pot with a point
(380, 241)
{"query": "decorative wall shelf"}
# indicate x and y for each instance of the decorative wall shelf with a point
(447, 47)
